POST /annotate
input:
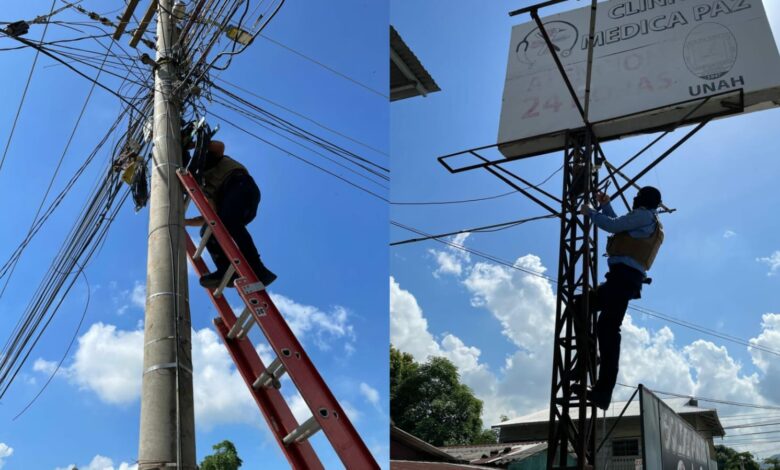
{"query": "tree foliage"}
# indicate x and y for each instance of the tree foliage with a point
(402, 365)
(487, 436)
(774, 461)
(225, 457)
(428, 401)
(730, 459)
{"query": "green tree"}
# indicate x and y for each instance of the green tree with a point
(774, 462)
(429, 402)
(401, 366)
(225, 457)
(730, 459)
(487, 436)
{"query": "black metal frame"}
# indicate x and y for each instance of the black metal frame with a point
(575, 352)
(728, 109)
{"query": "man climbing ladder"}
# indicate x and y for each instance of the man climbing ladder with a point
(265, 380)
(631, 250)
(235, 196)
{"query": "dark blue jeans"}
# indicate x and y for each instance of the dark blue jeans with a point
(237, 207)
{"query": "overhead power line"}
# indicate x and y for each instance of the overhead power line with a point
(26, 87)
(303, 116)
(637, 308)
(298, 157)
(325, 66)
(709, 400)
(478, 199)
(485, 228)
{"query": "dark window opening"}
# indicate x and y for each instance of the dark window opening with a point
(625, 448)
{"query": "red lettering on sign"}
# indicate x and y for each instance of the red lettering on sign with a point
(532, 111)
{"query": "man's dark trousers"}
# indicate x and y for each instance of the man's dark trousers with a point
(623, 283)
(238, 202)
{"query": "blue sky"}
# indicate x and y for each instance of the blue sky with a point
(325, 240)
(718, 266)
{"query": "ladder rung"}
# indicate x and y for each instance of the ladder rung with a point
(271, 375)
(241, 328)
(203, 241)
(228, 276)
(304, 431)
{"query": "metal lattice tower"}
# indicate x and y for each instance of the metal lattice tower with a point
(574, 355)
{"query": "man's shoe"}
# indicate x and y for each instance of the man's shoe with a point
(212, 280)
(265, 275)
(598, 399)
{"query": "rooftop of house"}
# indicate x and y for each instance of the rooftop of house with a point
(680, 405)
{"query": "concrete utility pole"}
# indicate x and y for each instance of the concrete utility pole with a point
(167, 436)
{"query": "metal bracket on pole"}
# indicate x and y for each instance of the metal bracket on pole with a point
(120, 28)
(138, 34)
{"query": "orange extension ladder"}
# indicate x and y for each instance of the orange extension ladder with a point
(264, 381)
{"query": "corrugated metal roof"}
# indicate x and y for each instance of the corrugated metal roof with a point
(409, 465)
(680, 405)
(415, 442)
(408, 77)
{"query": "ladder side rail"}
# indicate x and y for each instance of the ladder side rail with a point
(332, 419)
(272, 404)
(325, 408)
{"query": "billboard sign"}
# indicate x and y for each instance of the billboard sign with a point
(653, 62)
(668, 441)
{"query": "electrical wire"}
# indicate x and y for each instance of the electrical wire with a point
(26, 88)
(709, 400)
(303, 116)
(638, 308)
(67, 350)
(324, 143)
(55, 173)
(483, 229)
(298, 157)
(325, 66)
(479, 199)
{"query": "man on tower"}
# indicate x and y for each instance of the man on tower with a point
(233, 193)
(631, 250)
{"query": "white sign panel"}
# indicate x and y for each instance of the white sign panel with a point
(650, 56)
(668, 441)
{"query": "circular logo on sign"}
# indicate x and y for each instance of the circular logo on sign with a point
(563, 36)
(710, 51)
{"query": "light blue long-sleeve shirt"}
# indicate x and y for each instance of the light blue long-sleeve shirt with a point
(639, 223)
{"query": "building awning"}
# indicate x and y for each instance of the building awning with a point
(408, 77)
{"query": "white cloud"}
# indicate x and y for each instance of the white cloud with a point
(46, 367)
(221, 395)
(451, 260)
(729, 234)
(524, 306)
(135, 297)
(5, 452)
(409, 333)
(309, 323)
(100, 462)
(408, 327)
(773, 261)
(352, 412)
(370, 393)
(108, 362)
(138, 295)
(766, 362)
